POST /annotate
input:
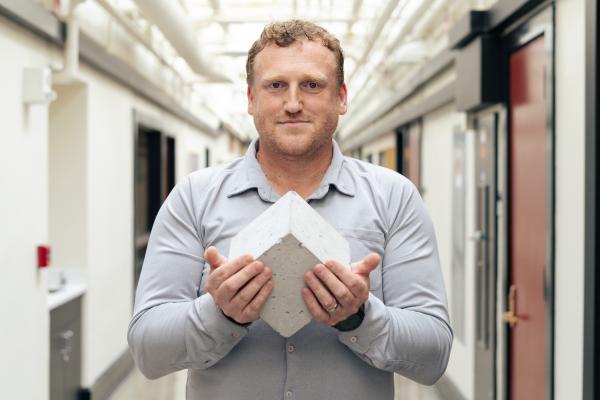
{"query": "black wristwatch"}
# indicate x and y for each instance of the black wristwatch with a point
(352, 322)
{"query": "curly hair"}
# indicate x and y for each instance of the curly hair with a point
(285, 33)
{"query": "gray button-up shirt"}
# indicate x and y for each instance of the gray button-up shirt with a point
(176, 325)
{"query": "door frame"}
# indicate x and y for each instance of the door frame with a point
(591, 344)
(514, 38)
(500, 277)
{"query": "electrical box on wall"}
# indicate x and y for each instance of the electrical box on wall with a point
(37, 86)
(479, 74)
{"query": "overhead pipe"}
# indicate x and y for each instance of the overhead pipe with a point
(215, 6)
(171, 20)
(381, 22)
(135, 32)
(129, 27)
(412, 20)
(422, 18)
(355, 10)
(429, 19)
(69, 73)
(387, 13)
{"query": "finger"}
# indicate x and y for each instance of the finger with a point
(356, 283)
(317, 286)
(225, 271)
(366, 265)
(214, 258)
(245, 295)
(253, 309)
(315, 307)
(235, 282)
(334, 285)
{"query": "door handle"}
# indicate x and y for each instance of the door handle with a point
(510, 316)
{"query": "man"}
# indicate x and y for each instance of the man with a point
(197, 310)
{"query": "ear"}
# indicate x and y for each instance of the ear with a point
(343, 98)
(250, 101)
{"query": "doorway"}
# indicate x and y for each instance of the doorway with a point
(408, 154)
(154, 178)
(528, 292)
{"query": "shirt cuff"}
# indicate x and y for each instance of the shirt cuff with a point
(359, 340)
(222, 330)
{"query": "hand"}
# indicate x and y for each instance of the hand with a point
(239, 287)
(334, 292)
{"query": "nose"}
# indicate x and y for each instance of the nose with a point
(293, 102)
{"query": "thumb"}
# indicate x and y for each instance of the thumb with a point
(366, 265)
(214, 258)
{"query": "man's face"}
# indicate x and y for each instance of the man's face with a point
(295, 99)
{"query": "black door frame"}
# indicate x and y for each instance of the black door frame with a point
(591, 349)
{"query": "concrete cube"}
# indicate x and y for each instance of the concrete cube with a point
(290, 238)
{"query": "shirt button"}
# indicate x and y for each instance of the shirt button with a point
(291, 348)
(353, 339)
(288, 394)
(235, 334)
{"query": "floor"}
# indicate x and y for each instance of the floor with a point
(172, 387)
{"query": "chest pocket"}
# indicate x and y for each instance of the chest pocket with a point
(363, 242)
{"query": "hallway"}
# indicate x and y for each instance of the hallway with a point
(465, 136)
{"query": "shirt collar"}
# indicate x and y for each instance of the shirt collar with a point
(249, 175)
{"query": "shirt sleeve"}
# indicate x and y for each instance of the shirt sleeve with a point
(171, 328)
(408, 332)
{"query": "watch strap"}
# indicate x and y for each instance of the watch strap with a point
(352, 322)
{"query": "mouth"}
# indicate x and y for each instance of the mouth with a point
(292, 122)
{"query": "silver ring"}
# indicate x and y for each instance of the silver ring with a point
(332, 308)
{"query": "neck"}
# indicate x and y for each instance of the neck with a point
(299, 174)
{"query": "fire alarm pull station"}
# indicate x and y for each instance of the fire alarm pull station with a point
(43, 255)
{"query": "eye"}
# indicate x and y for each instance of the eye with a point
(275, 85)
(312, 85)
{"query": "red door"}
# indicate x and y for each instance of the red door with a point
(528, 227)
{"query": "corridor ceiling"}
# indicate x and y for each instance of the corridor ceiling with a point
(383, 41)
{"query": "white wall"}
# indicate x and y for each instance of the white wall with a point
(570, 156)
(437, 182)
(109, 188)
(67, 169)
(23, 223)
(91, 216)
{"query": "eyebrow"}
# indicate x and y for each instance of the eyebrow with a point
(305, 77)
